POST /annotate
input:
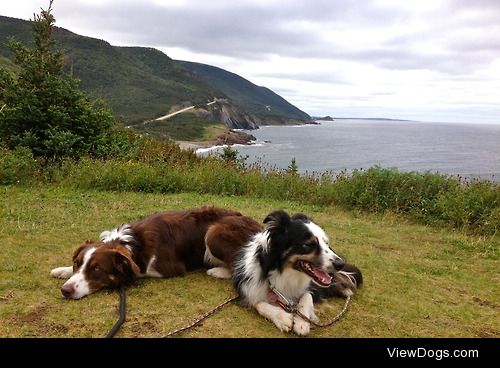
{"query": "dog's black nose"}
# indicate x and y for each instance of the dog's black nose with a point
(338, 263)
(67, 290)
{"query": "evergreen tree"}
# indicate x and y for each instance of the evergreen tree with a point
(293, 168)
(41, 107)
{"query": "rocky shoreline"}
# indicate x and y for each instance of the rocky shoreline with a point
(227, 138)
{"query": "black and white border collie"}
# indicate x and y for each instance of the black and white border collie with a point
(165, 244)
(290, 259)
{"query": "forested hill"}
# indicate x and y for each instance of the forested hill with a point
(138, 83)
(141, 83)
(259, 101)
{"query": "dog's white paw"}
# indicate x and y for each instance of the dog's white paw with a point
(62, 272)
(219, 273)
(301, 327)
(284, 321)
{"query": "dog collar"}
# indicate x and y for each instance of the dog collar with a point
(276, 297)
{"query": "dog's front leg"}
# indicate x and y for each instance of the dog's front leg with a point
(62, 272)
(306, 307)
(282, 319)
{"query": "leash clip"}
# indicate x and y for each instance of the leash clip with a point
(282, 301)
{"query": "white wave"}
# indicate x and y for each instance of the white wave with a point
(208, 149)
(213, 148)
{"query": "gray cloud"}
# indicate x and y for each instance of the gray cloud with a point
(325, 42)
(477, 45)
(243, 29)
(230, 28)
(484, 5)
(455, 39)
(308, 76)
(225, 28)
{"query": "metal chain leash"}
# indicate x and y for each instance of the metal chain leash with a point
(201, 318)
(328, 323)
(290, 307)
(287, 306)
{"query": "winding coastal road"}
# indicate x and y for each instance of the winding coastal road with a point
(164, 117)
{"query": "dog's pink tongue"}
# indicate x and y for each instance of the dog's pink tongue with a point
(322, 276)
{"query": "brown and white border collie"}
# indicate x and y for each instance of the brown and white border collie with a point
(165, 244)
(290, 262)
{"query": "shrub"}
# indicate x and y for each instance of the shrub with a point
(17, 166)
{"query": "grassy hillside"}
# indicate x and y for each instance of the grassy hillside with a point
(137, 83)
(256, 100)
(419, 281)
(185, 127)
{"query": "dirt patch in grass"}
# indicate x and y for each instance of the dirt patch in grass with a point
(138, 327)
(487, 333)
(34, 322)
(384, 248)
(486, 303)
(34, 315)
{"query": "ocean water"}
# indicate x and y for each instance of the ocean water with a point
(469, 150)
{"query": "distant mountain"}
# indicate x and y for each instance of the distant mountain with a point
(323, 118)
(141, 83)
(137, 83)
(259, 101)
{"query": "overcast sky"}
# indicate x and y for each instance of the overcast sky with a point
(431, 60)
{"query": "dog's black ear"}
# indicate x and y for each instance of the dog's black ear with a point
(277, 219)
(301, 217)
(355, 272)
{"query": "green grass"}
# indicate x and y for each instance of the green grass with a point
(420, 281)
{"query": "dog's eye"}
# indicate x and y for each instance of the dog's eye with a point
(307, 246)
(96, 268)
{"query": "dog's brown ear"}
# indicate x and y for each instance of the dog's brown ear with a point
(125, 265)
(80, 248)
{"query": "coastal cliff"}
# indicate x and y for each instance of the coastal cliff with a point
(229, 115)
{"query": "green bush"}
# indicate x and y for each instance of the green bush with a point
(17, 166)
